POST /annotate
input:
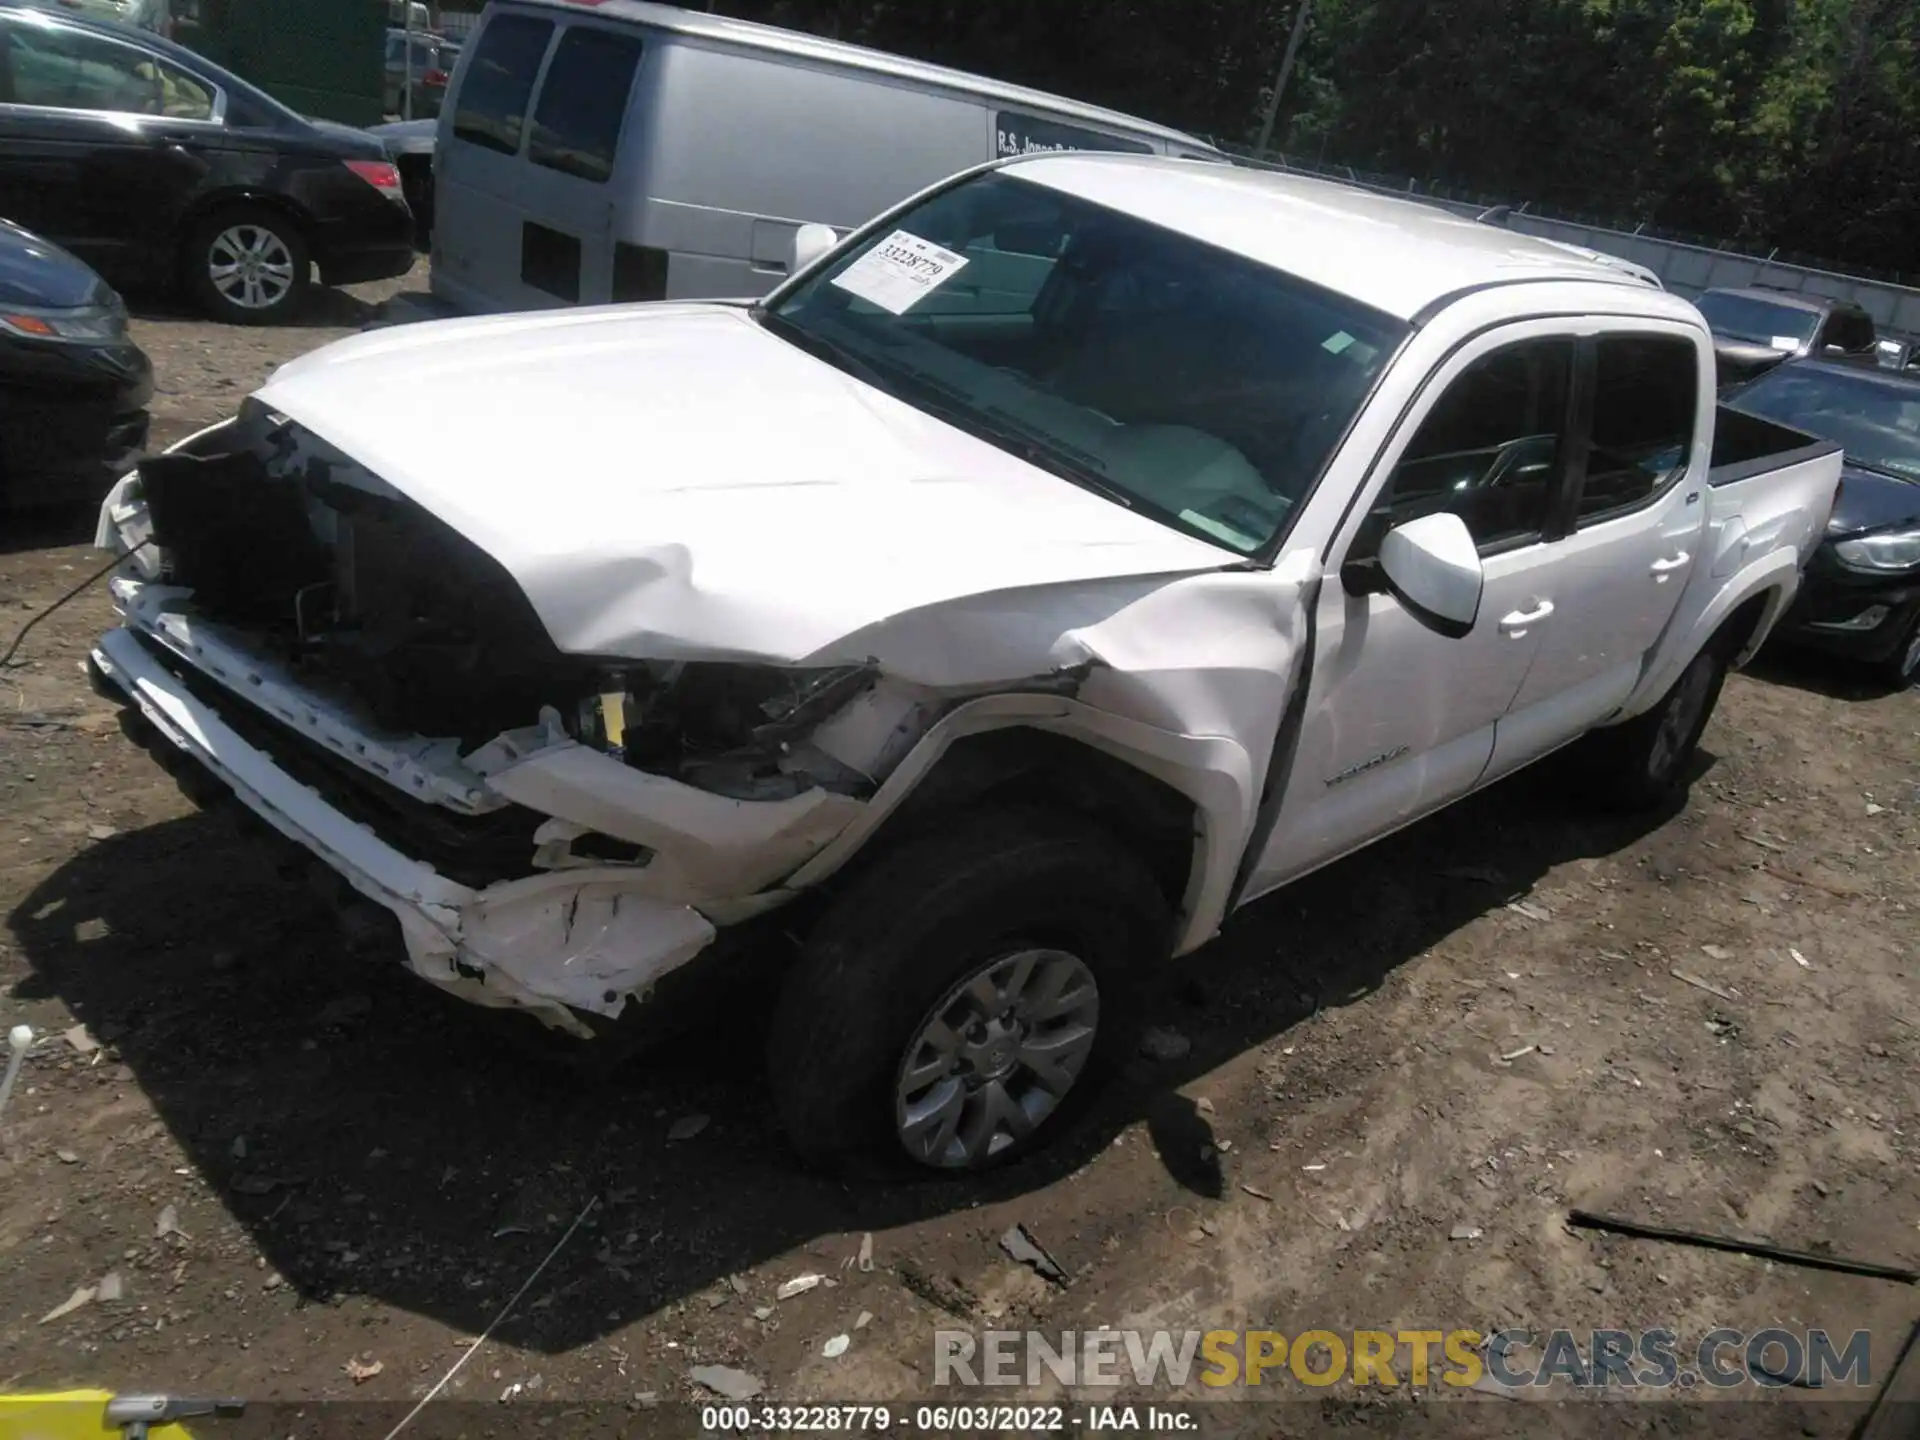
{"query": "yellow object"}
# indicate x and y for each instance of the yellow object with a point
(68, 1415)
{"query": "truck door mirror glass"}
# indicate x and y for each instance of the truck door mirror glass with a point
(1432, 567)
(810, 242)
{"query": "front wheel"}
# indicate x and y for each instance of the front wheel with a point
(1639, 765)
(248, 266)
(959, 1001)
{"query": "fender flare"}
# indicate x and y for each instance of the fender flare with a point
(1776, 574)
(1212, 771)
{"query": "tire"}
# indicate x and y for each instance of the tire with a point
(1901, 670)
(984, 896)
(1641, 764)
(265, 257)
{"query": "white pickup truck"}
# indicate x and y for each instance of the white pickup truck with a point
(1075, 554)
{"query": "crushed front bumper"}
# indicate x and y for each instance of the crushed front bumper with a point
(558, 944)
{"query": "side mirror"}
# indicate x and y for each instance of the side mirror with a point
(1432, 567)
(810, 242)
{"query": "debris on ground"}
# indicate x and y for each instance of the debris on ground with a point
(1799, 959)
(1588, 1220)
(66, 1157)
(1164, 1045)
(169, 1224)
(727, 1382)
(360, 1371)
(1256, 1192)
(19, 1041)
(1716, 952)
(1521, 1053)
(1020, 1244)
(1707, 985)
(836, 1347)
(1464, 1232)
(1528, 910)
(799, 1285)
(686, 1128)
(82, 1042)
(111, 1288)
(80, 1298)
(866, 1319)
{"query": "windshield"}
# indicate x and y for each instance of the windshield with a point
(1184, 382)
(1875, 420)
(1759, 322)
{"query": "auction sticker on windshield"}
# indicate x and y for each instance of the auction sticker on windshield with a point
(900, 272)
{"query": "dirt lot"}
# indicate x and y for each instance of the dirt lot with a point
(350, 1170)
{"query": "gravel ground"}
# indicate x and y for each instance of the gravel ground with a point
(311, 1177)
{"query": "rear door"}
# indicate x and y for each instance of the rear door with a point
(526, 200)
(98, 141)
(1632, 528)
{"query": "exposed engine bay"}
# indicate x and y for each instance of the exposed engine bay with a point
(371, 600)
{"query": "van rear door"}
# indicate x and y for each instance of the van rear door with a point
(524, 204)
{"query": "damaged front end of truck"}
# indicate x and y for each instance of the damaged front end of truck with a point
(554, 832)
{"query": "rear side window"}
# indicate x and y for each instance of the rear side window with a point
(72, 70)
(492, 107)
(576, 127)
(1644, 396)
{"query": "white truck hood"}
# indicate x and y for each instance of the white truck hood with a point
(671, 481)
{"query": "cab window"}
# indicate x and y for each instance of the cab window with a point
(1492, 450)
(1645, 393)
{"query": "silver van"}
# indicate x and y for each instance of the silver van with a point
(633, 151)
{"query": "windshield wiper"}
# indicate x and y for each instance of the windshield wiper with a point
(821, 348)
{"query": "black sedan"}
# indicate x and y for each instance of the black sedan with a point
(1860, 596)
(73, 386)
(159, 168)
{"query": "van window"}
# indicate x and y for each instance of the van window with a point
(1017, 134)
(1645, 389)
(576, 126)
(492, 106)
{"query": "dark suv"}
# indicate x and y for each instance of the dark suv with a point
(1755, 329)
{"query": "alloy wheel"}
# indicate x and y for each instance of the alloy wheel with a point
(995, 1057)
(250, 266)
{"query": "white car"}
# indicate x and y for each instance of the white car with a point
(1078, 552)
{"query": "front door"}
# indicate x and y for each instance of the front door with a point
(1400, 719)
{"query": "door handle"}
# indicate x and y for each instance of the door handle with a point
(1520, 621)
(1661, 569)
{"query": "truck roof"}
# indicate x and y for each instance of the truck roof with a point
(800, 46)
(1398, 256)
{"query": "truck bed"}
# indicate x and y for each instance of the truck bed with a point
(1746, 445)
